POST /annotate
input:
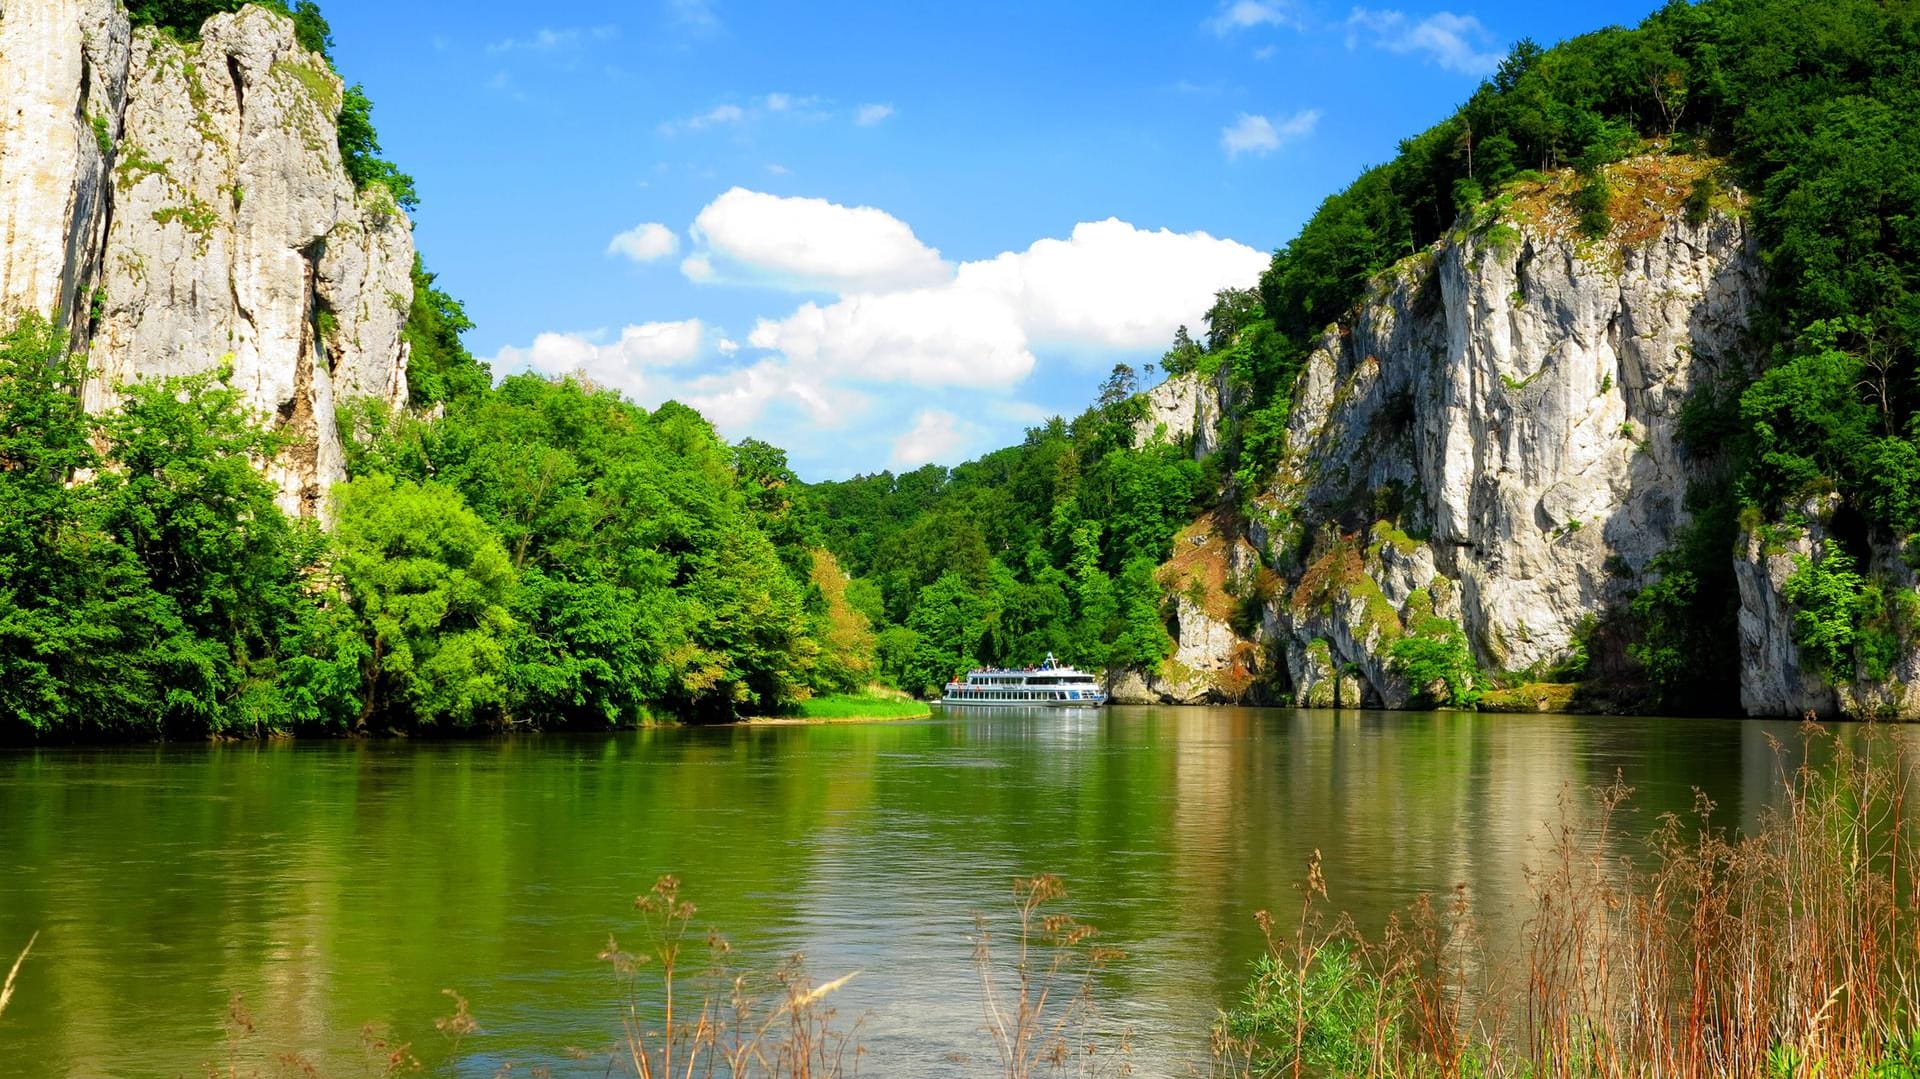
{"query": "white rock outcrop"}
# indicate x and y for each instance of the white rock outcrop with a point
(63, 75)
(219, 230)
(1186, 410)
(1521, 394)
(1777, 677)
(1511, 397)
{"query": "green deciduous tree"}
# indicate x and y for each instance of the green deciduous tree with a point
(430, 584)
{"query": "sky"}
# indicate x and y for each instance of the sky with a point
(879, 235)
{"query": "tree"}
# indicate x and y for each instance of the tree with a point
(845, 634)
(430, 584)
(1828, 601)
(950, 621)
(439, 367)
(1437, 663)
(183, 496)
(76, 614)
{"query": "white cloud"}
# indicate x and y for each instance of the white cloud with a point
(623, 363)
(936, 435)
(927, 337)
(696, 268)
(871, 114)
(546, 40)
(737, 400)
(1244, 14)
(1260, 136)
(1109, 286)
(805, 105)
(810, 244)
(727, 346)
(645, 243)
(695, 15)
(1455, 42)
(715, 117)
(779, 170)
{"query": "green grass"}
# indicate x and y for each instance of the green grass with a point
(862, 706)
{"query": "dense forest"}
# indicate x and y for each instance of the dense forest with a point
(544, 552)
(1809, 103)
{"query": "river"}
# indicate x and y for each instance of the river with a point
(332, 883)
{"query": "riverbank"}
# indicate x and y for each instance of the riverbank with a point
(848, 708)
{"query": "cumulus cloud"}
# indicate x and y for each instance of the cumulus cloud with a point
(808, 244)
(645, 243)
(623, 363)
(1455, 42)
(1260, 136)
(936, 435)
(927, 337)
(1244, 14)
(1108, 286)
(872, 114)
(738, 400)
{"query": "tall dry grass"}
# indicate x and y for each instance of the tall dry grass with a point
(1040, 1000)
(1790, 950)
(720, 1019)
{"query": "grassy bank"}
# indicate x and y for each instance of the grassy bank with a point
(853, 708)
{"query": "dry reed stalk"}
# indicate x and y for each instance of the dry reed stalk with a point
(738, 1024)
(1045, 1018)
(6, 990)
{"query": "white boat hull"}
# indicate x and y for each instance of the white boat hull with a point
(1083, 702)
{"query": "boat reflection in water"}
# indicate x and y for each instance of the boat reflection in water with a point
(1049, 685)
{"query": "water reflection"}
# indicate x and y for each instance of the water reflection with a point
(335, 882)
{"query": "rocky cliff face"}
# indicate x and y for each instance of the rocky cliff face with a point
(1491, 442)
(183, 208)
(1188, 410)
(1777, 677)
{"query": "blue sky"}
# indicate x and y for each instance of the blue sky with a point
(878, 235)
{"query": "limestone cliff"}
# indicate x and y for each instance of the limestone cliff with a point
(183, 208)
(1779, 678)
(1490, 441)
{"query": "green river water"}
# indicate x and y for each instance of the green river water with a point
(332, 883)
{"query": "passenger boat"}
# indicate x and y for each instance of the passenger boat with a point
(1047, 685)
